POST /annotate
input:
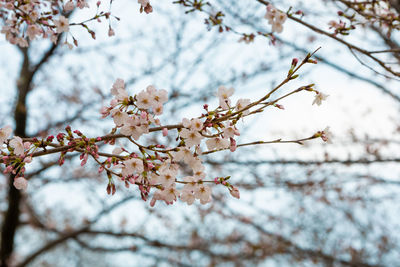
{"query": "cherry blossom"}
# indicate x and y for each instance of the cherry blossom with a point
(326, 135)
(119, 117)
(192, 138)
(133, 127)
(319, 97)
(223, 96)
(241, 104)
(276, 18)
(159, 97)
(62, 24)
(4, 134)
(193, 124)
(184, 154)
(203, 193)
(167, 177)
(144, 100)
(187, 196)
(69, 6)
(20, 183)
(132, 166)
(217, 143)
(18, 145)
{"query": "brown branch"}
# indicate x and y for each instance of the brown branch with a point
(67, 236)
(333, 36)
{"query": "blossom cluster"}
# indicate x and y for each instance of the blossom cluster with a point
(165, 173)
(276, 18)
(26, 21)
(158, 167)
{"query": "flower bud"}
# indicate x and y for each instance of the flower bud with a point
(235, 192)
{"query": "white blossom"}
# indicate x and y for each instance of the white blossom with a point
(192, 138)
(4, 134)
(62, 24)
(319, 97)
(20, 183)
(18, 145)
(223, 96)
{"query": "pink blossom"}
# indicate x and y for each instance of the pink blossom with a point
(4, 134)
(187, 196)
(132, 166)
(62, 24)
(144, 100)
(223, 96)
(203, 193)
(20, 183)
(217, 143)
(69, 6)
(192, 138)
(32, 31)
(276, 18)
(319, 97)
(119, 117)
(18, 145)
(241, 104)
(327, 135)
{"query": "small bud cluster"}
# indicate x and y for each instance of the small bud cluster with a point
(145, 6)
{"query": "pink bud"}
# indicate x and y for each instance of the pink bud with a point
(235, 192)
(150, 165)
(98, 3)
(233, 145)
(153, 202)
(109, 189)
(164, 131)
(28, 159)
(111, 32)
(8, 169)
(294, 62)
